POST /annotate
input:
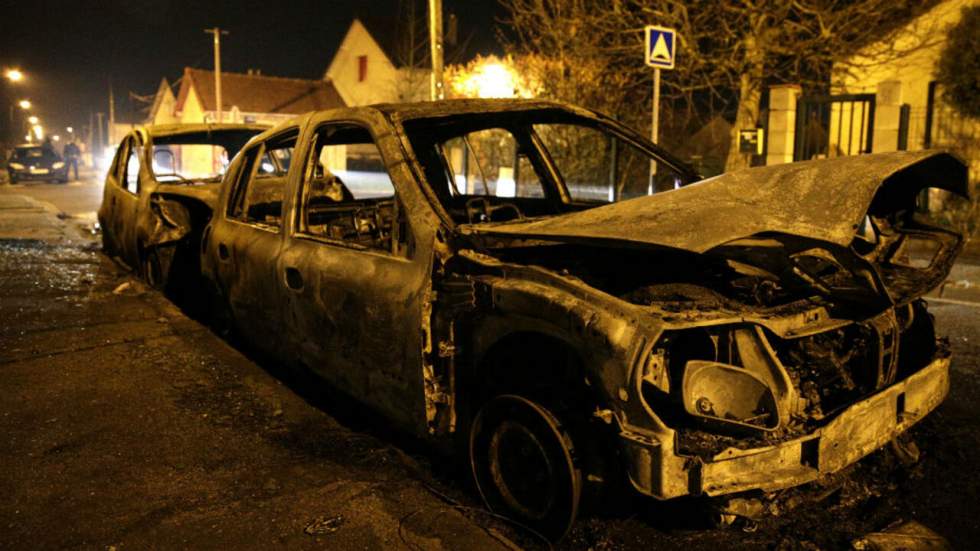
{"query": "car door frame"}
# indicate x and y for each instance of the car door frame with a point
(241, 258)
(375, 303)
(123, 205)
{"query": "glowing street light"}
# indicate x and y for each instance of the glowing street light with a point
(490, 77)
(24, 104)
(32, 119)
(70, 130)
(56, 137)
(39, 131)
(14, 75)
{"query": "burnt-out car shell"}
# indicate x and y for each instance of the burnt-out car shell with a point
(149, 212)
(754, 331)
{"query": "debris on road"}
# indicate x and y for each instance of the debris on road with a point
(324, 524)
(904, 536)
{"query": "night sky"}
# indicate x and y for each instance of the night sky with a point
(71, 50)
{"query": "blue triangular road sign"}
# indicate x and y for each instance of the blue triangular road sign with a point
(660, 43)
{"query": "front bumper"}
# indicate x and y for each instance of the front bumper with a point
(656, 470)
(49, 174)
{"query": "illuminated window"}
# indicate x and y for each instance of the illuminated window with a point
(361, 68)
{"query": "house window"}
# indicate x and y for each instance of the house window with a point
(362, 68)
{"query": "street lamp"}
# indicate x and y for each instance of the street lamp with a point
(14, 75)
(32, 119)
(24, 104)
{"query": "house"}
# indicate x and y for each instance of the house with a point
(250, 97)
(909, 111)
(380, 60)
(164, 106)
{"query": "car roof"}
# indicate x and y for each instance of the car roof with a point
(453, 107)
(156, 130)
(435, 109)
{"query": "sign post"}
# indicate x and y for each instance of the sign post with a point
(660, 47)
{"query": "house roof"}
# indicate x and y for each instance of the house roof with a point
(163, 90)
(253, 93)
(393, 33)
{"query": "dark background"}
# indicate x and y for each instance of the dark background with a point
(70, 51)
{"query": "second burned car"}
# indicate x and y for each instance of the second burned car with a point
(159, 193)
(496, 274)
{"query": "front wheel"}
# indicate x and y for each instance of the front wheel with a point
(522, 461)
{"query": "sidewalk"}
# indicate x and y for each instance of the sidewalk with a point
(962, 284)
(126, 425)
(22, 217)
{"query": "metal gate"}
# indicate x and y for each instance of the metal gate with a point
(833, 126)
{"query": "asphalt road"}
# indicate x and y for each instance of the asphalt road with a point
(123, 423)
(80, 197)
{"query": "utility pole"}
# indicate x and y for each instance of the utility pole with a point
(101, 145)
(217, 69)
(437, 90)
(112, 113)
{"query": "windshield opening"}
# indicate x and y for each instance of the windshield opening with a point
(197, 157)
(505, 167)
(27, 154)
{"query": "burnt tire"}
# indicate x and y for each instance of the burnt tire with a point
(156, 266)
(522, 459)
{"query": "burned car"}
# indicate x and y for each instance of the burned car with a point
(496, 275)
(160, 190)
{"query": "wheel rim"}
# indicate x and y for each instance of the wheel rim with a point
(522, 465)
(151, 269)
(521, 470)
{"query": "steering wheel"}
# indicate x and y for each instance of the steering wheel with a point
(479, 209)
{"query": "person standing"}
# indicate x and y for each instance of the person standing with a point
(72, 153)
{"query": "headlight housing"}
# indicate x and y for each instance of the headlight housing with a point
(16, 166)
(58, 165)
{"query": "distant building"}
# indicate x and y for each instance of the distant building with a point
(163, 109)
(250, 97)
(908, 83)
(379, 62)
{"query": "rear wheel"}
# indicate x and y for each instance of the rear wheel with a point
(522, 459)
(156, 266)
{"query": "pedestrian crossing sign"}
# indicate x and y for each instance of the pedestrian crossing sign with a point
(660, 46)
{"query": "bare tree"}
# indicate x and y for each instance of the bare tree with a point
(728, 49)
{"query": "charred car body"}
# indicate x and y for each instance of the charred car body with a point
(495, 273)
(160, 190)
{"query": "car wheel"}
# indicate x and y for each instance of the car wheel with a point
(521, 457)
(156, 266)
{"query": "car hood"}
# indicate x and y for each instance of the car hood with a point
(824, 200)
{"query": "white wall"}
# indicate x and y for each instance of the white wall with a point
(384, 81)
(924, 39)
